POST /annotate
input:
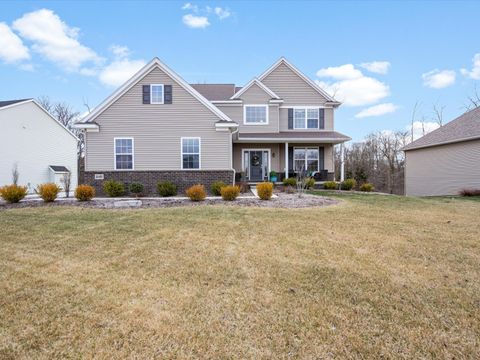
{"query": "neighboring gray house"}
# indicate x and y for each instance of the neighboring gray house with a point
(446, 160)
(157, 127)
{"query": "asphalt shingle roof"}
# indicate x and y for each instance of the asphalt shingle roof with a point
(11, 102)
(464, 127)
(214, 92)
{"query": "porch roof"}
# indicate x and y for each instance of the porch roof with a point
(330, 137)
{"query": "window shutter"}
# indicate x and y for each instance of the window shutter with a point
(321, 158)
(167, 96)
(290, 159)
(146, 94)
(321, 118)
(290, 118)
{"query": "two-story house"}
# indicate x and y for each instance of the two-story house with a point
(157, 127)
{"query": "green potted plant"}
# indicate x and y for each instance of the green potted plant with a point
(273, 176)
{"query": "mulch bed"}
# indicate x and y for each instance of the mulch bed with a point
(282, 200)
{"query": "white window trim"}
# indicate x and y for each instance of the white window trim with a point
(305, 148)
(245, 150)
(163, 94)
(254, 105)
(199, 152)
(306, 117)
(115, 153)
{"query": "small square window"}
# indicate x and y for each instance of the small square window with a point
(256, 114)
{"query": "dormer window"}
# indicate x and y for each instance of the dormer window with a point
(156, 94)
(255, 114)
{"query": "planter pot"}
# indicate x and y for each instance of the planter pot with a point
(273, 179)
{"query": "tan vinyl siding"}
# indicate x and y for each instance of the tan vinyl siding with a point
(292, 88)
(284, 120)
(157, 130)
(235, 112)
(443, 170)
(255, 95)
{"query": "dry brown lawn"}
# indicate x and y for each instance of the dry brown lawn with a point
(376, 276)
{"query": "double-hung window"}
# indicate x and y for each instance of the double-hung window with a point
(305, 118)
(306, 159)
(190, 153)
(255, 114)
(156, 94)
(123, 153)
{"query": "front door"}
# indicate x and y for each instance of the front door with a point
(256, 166)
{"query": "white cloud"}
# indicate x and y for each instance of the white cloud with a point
(196, 22)
(120, 51)
(377, 67)
(439, 79)
(377, 110)
(119, 71)
(352, 87)
(54, 39)
(475, 72)
(222, 13)
(420, 129)
(190, 6)
(11, 46)
(341, 72)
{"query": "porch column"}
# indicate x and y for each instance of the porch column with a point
(286, 160)
(342, 163)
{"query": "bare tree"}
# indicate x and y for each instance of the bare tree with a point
(66, 181)
(438, 114)
(474, 99)
(15, 174)
(302, 178)
(414, 115)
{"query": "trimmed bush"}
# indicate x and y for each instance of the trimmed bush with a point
(229, 192)
(196, 192)
(84, 192)
(113, 188)
(13, 193)
(348, 184)
(367, 187)
(290, 182)
(265, 190)
(470, 192)
(216, 187)
(48, 192)
(136, 188)
(166, 189)
(310, 183)
(330, 185)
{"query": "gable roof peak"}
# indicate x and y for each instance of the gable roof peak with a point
(255, 81)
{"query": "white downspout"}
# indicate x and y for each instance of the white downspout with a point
(342, 162)
(231, 153)
(286, 160)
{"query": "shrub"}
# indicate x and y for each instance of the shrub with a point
(348, 184)
(13, 193)
(470, 192)
(290, 182)
(113, 188)
(48, 192)
(330, 185)
(265, 190)
(230, 192)
(367, 187)
(310, 183)
(217, 187)
(196, 192)
(84, 192)
(136, 188)
(166, 188)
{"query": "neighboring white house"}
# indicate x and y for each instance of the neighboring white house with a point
(36, 143)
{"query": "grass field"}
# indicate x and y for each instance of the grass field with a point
(375, 276)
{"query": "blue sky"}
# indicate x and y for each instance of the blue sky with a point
(378, 57)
